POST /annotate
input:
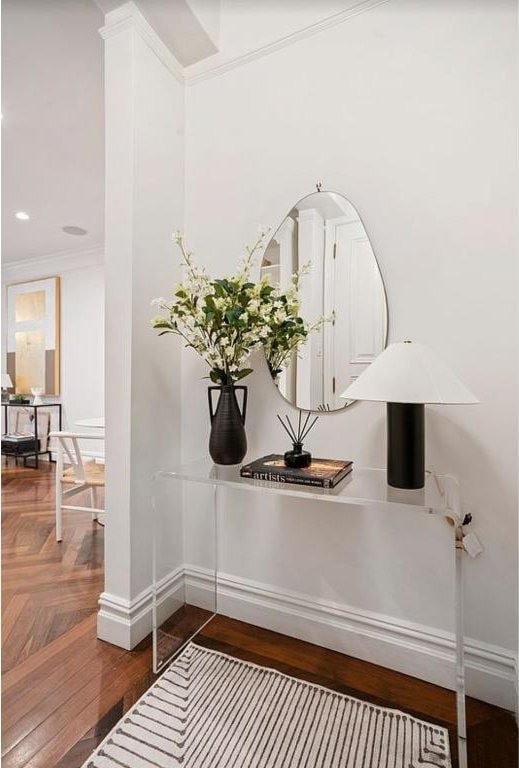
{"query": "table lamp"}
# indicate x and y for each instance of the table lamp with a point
(406, 375)
(6, 384)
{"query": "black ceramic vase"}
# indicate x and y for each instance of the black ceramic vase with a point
(228, 442)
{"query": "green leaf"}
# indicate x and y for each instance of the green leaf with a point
(218, 376)
(233, 316)
(244, 372)
(224, 285)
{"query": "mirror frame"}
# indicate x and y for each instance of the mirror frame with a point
(272, 232)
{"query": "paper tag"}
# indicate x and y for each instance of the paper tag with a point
(472, 545)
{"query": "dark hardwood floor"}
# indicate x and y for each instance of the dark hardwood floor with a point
(63, 689)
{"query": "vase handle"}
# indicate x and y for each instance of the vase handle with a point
(210, 390)
(244, 402)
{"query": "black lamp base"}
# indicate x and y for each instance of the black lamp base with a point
(406, 445)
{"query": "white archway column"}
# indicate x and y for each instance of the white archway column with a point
(144, 205)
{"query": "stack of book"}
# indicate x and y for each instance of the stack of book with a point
(322, 473)
(19, 443)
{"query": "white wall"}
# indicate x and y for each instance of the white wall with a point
(410, 111)
(82, 331)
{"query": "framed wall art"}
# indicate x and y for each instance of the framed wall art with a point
(33, 335)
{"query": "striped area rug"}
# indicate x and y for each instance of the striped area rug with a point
(210, 710)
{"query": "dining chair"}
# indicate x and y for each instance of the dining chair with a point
(78, 474)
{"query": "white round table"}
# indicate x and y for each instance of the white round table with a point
(97, 423)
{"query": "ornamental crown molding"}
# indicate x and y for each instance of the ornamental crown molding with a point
(205, 70)
(128, 17)
(63, 261)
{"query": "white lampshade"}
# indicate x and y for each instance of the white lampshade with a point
(6, 381)
(408, 372)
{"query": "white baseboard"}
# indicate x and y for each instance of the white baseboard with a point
(414, 649)
(126, 622)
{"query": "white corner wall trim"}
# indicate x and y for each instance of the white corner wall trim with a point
(54, 262)
(128, 16)
(408, 647)
(204, 70)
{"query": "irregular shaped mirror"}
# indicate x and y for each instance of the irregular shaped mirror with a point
(342, 301)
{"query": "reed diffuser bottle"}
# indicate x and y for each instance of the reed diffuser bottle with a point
(297, 457)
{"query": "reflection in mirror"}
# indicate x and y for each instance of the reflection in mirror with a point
(342, 297)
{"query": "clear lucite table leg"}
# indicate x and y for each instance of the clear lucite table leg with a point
(458, 519)
(216, 499)
(184, 563)
(460, 650)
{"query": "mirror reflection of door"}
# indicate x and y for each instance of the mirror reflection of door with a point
(354, 298)
(344, 287)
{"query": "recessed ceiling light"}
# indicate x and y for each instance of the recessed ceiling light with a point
(74, 230)
(22, 216)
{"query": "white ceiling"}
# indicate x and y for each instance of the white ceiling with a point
(53, 100)
(52, 126)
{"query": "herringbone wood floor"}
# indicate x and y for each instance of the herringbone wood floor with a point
(63, 689)
(58, 680)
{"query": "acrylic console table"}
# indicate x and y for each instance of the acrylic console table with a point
(367, 488)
